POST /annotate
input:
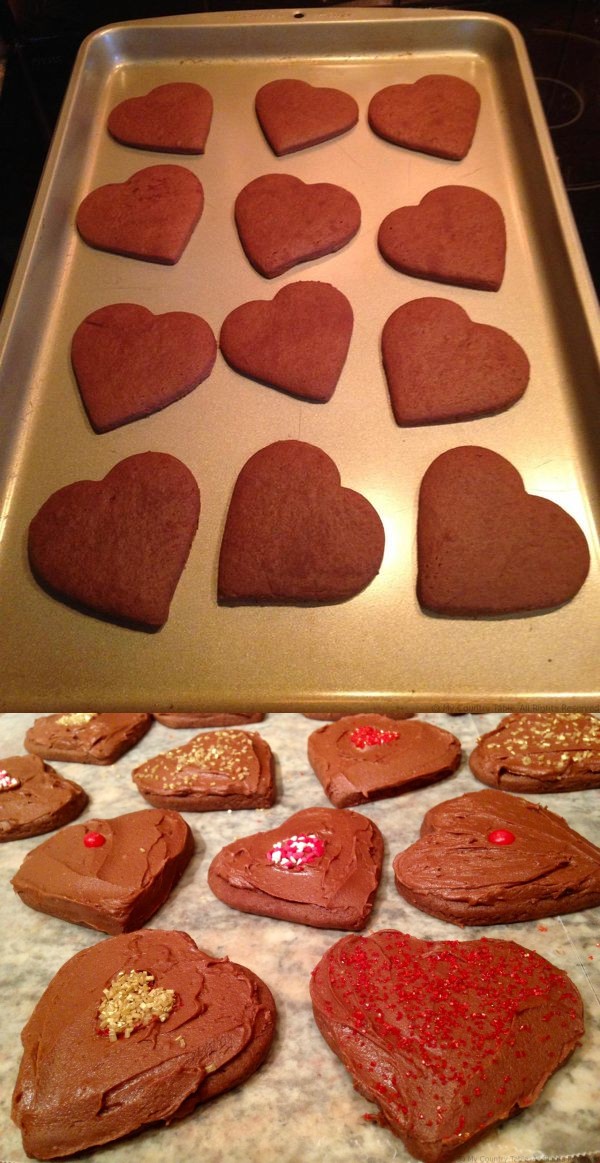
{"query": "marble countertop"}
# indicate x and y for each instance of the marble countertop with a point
(300, 1107)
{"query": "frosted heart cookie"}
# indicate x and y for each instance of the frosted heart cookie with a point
(205, 719)
(86, 736)
(294, 534)
(540, 752)
(283, 221)
(486, 546)
(297, 342)
(293, 114)
(129, 362)
(367, 757)
(171, 118)
(215, 771)
(321, 867)
(440, 366)
(35, 799)
(110, 875)
(456, 234)
(440, 1034)
(117, 547)
(489, 858)
(150, 216)
(436, 115)
(147, 1017)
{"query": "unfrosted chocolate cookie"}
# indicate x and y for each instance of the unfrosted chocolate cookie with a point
(437, 114)
(215, 771)
(35, 799)
(171, 118)
(293, 114)
(86, 736)
(550, 751)
(321, 867)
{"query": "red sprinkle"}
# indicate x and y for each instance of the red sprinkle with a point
(94, 839)
(501, 836)
(7, 781)
(366, 736)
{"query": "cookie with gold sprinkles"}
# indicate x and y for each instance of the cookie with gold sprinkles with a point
(215, 771)
(147, 1017)
(541, 751)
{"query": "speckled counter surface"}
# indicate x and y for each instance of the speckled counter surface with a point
(300, 1107)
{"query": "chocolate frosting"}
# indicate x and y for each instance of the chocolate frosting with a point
(114, 887)
(43, 800)
(77, 1089)
(421, 754)
(447, 1037)
(540, 752)
(216, 770)
(86, 737)
(334, 891)
(457, 873)
(199, 719)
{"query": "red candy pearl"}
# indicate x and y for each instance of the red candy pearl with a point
(94, 839)
(501, 836)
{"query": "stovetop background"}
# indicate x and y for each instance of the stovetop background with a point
(39, 40)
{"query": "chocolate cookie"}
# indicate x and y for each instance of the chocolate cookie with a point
(321, 867)
(171, 118)
(111, 875)
(540, 751)
(489, 858)
(86, 736)
(35, 799)
(298, 342)
(294, 534)
(282, 221)
(436, 115)
(486, 546)
(216, 771)
(447, 1038)
(135, 1031)
(294, 114)
(150, 216)
(369, 757)
(209, 719)
(117, 547)
(129, 362)
(456, 235)
(440, 366)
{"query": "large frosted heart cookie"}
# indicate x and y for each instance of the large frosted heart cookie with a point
(491, 858)
(486, 546)
(436, 114)
(282, 221)
(297, 342)
(137, 1030)
(540, 751)
(447, 1038)
(117, 547)
(456, 234)
(129, 362)
(321, 867)
(294, 534)
(151, 216)
(171, 118)
(440, 366)
(294, 114)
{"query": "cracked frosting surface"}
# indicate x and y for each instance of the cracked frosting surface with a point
(86, 737)
(41, 801)
(540, 752)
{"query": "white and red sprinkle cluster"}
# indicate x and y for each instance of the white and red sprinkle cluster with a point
(296, 851)
(7, 781)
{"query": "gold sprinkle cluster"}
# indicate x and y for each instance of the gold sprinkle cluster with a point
(131, 1001)
(567, 737)
(78, 720)
(229, 753)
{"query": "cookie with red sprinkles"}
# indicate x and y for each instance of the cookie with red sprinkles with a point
(447, 1038)
(367, 757)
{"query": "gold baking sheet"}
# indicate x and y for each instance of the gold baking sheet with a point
(378, 647)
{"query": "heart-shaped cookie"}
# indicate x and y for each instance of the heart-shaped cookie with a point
(437, 115)
(491, 858)
(171, 118)
(294, 534)
(294, 114)
(485, 546)
(297, 342)
(448, 1038)
(151, 216)
(321, 867)
(456, 234)
(117, 547)
(540, 751)
(129, 362)
(97, 1066)
(34, 798)
(282, 221)
(440, 366)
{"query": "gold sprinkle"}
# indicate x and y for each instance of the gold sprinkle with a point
(130, 1001)
(78, 720)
